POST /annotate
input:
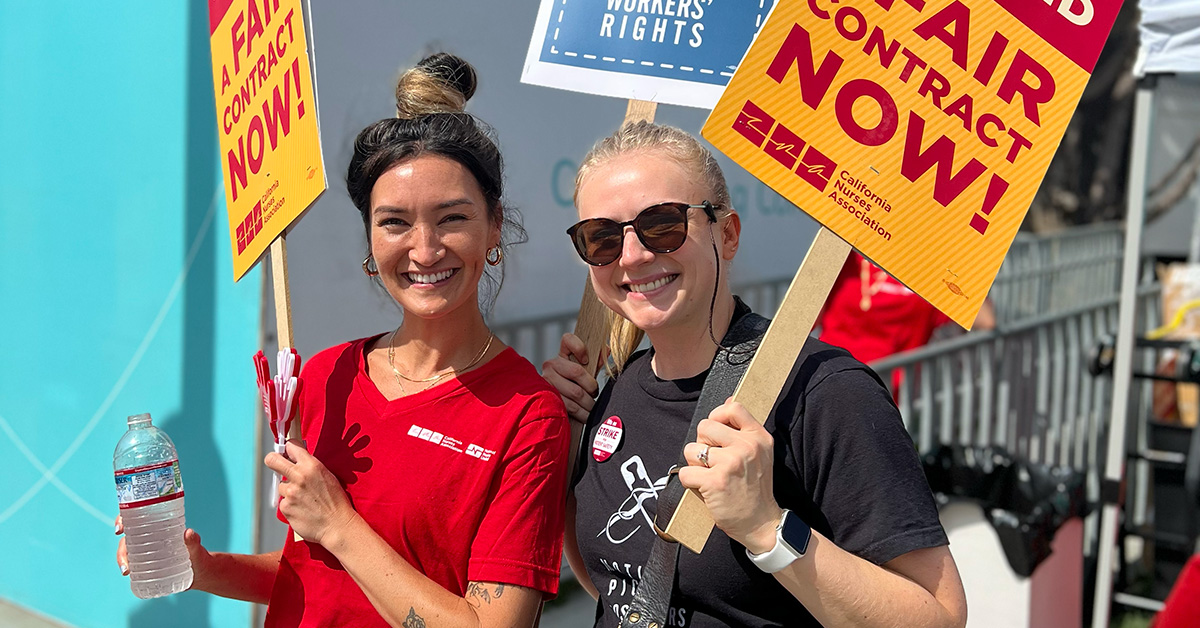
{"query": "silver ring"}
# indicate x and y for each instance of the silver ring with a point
(703, 456)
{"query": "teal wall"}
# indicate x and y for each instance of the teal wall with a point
(116, 297)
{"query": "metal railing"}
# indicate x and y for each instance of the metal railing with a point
(1052, 273)
(1023, 386)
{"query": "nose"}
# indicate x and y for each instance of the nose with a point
(427, 246)
(633, 253)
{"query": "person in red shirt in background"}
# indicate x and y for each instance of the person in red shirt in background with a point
(871, 315)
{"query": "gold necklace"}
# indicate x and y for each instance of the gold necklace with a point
(432, 381)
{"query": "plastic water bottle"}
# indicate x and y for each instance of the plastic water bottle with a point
(150, 494)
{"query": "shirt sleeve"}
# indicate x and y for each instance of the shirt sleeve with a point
(520, 538)
(862, 470)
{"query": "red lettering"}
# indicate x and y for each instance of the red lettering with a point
(876, 42)
(254, 26)
(938, 26)
(237, 166)
(962, 109)
(860, 23)
(919, 5)
(236, 39)
(991, 58)
(256, 125)
(935, 86)
(797, 50)
(889, 118)
(1019, 142)
(947, 185)
(281, 114)
(1031, 95)
(913, 62)
(981, 132)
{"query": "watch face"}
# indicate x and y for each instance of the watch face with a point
(795, 532)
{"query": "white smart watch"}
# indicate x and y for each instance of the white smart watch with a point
(791, 542)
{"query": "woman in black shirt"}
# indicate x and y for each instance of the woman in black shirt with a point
(823, 514)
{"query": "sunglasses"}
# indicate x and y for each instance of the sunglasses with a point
(661, 228)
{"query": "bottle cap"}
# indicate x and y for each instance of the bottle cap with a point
(138, 419)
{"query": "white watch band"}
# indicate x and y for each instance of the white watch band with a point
(778, 557)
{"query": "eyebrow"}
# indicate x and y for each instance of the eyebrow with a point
(391, 209)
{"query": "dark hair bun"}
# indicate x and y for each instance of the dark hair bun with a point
(441, 83)
(453, 70)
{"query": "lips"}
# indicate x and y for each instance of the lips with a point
(430, 278)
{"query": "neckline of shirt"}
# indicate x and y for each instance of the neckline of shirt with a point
(448, 387)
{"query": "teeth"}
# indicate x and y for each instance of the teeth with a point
(653, 285)
(434, 278)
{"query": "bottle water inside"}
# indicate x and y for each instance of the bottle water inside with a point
(150, 495)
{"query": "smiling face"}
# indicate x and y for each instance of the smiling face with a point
(430, 232)
(658, 292)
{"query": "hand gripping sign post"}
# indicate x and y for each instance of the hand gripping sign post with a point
(267, 123)
(917, 131)
(680, 52)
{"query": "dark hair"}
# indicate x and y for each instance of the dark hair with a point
(430, 120)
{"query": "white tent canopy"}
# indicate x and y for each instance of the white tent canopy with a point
(1170, 37)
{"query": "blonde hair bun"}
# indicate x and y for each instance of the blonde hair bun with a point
(441, 83)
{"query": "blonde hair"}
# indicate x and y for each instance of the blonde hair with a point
(674, 144)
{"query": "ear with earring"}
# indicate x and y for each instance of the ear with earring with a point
(366, 265)
(494, 256)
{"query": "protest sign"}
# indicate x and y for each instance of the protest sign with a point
(679, 52)
(266, 121)
(917, 131)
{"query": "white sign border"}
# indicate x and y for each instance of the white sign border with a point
(616, 84)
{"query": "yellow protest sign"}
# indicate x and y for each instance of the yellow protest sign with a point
(916, 130)
(266, 120)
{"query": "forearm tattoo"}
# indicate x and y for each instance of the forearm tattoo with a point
(413, 620)
(479, 594)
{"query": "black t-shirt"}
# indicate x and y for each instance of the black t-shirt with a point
(843, 462)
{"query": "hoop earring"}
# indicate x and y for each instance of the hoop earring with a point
(494, 260)
(367, 267)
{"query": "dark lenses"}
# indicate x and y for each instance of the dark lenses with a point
(660, 228)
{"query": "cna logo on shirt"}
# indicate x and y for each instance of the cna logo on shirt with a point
(449, 442)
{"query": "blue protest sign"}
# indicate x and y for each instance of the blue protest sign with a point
(671, 51)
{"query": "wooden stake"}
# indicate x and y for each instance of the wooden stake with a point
(283, 315)
(283, 296)
(772, 364)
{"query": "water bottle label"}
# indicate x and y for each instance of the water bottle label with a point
(151, 484)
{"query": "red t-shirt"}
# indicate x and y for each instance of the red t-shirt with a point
(872, 315)
(466, 481)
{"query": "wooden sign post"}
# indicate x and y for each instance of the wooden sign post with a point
(269, 135)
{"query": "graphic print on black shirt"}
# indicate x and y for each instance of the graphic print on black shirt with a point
(843, 463)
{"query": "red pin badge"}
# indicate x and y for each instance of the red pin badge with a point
(608, 438)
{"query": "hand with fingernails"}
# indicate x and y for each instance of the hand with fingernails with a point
(191, 539)
(731, 465)
(310, 497)
(569, 374)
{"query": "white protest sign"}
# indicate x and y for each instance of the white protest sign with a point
(677, 52)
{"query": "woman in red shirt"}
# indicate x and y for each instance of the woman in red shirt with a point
(433, 482)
